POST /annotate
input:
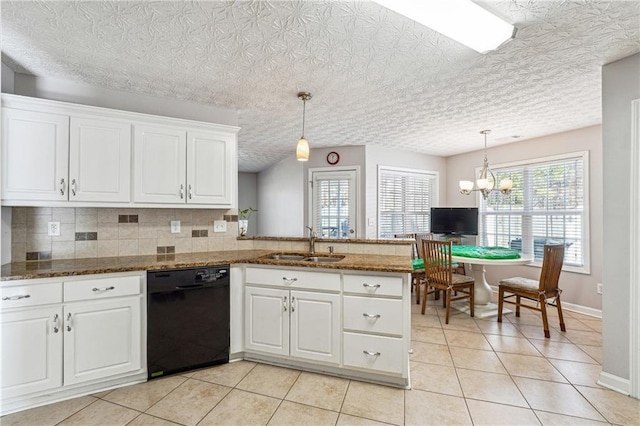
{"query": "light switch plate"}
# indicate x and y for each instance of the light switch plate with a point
(53, 229)
(219, 226)
(175, 226)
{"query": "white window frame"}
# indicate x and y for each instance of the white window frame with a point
(436, 186)
(586, 223)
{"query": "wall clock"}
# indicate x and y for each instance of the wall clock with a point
(333, 158)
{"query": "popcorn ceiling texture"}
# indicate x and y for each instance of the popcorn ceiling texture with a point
(376, 77)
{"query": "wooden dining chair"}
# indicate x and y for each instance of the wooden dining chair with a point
(539, 291)
(439, 275)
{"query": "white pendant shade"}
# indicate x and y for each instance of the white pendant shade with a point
(302, 150)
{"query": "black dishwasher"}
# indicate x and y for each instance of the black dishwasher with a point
(187, 319)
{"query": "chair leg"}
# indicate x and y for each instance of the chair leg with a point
(517, 306)
(448, 301)
(500, 302)
(545, 321)
(471, 299)
(418, 290)
(562, 327)
(424, 297)
(445, 294)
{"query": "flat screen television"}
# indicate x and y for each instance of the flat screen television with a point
(454, 220)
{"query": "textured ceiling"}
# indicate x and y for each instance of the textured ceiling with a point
(376, 77)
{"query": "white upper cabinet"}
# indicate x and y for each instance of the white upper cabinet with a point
(99, 160)
(160, 165)
(35, 155)
(54, 153)
(177, 166)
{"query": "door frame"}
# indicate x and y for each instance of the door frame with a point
(358, 213)
(634, 253)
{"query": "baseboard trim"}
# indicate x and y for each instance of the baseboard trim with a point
(615, 383)
(585, 310)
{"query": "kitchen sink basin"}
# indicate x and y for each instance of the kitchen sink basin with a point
(287, 257)
(323, 259)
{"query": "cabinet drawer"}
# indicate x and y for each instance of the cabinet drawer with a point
(372, 314)
(101, 288)
(374, 352)
(30, 295)
(371, 284)
(294, 278)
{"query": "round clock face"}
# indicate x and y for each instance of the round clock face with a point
(333, 158)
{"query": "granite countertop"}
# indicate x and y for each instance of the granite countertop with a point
(71, 267)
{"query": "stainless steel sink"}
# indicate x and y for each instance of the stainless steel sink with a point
(323, 259)
(287, 257)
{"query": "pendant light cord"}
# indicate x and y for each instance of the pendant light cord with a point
(304, 108)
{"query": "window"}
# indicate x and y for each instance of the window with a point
(405, 198)
(548, 204)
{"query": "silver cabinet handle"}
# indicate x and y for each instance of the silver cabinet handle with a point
(73, 187)
(190, 192)
(62, 188)
(69, 321)
(103, 288)
(284, 303)
(371, 353)
(370, 285)
(181, 191)
(293, 306)
(290, 279)
(366, 315)
(56, 323)
(18, 297)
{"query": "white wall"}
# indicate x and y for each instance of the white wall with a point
(8, 79)
(82, 93)
(382, 156)
(281, 199)
(248, 197)
(620, 85)
(577, 288)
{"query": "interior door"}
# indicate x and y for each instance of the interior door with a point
(334, 203)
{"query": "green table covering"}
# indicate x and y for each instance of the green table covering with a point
(480, 252)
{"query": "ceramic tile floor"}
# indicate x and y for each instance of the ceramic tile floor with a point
(470, 371)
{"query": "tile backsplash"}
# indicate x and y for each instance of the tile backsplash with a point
(106, 232)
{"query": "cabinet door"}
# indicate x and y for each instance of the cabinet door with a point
(267, 320)
(35, 154)
(315, 326)
(160, 165)
(99, 160)
(101, 339)
(31, 351)
(211, 170)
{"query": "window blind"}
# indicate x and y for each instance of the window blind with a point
(546, 206)
(332, 207)
(405, 198)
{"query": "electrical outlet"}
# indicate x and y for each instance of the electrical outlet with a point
(53, 229)
(175, 226)
(599, 288)
(219, 226)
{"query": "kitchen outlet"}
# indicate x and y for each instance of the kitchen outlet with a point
(599, 288)
(175, 226)
(219, 226)
(53, 229)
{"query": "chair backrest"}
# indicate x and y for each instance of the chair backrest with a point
(437, 261)
(414, 247)
(551, 267)
(419, 238)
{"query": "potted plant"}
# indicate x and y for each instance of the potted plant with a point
(243, 222)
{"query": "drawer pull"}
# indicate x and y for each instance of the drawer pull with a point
(370, 285)
(293, 306)
(290, 279)
(56, 323)
(18, 297)
(284, 303)
(103, 288)
(371, 353)
(366, 315)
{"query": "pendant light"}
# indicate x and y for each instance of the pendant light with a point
(302, 149)
(486, 181)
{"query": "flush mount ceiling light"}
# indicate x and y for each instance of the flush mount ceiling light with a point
(486, 181)
(460, 20)
(302, 149)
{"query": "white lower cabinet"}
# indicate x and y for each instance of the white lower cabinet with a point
(300, 324)
(58, 336)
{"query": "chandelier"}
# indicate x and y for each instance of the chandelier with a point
(486, 181)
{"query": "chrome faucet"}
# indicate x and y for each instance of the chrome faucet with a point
(312, 240)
